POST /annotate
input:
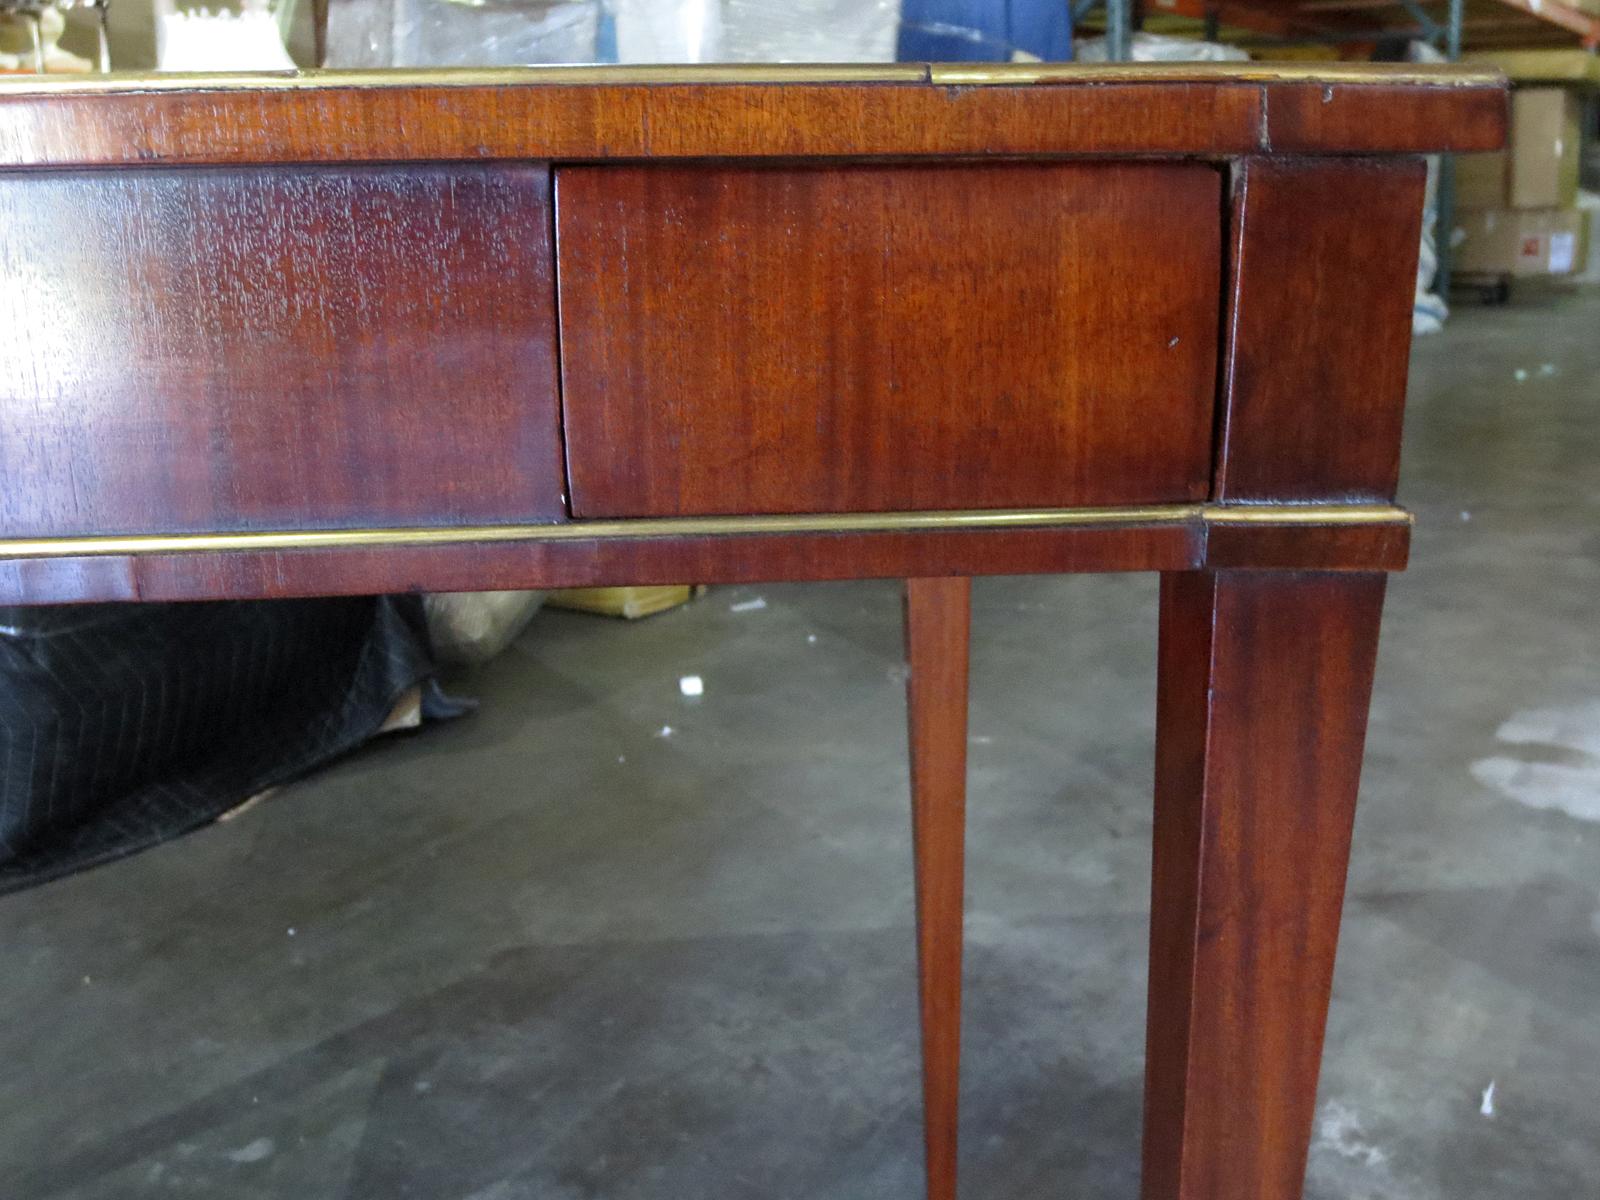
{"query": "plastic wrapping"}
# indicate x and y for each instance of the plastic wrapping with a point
(403, 33)
(451, 33)
(755, 30)
(984, 30)
(397, 33)
(470, 628)
(1428, 309)
(123, 725)
(204, 39)
(1150, 47)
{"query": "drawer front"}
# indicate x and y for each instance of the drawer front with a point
(280, 347)
(887, 338)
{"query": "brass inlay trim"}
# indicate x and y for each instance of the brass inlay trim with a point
(937, 74)
(1306, 514)
(1410, 75)
(1148, 516)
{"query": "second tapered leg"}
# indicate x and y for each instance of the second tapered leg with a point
(938, 618)
(1264, 681)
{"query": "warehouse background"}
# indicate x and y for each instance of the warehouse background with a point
(666, 863)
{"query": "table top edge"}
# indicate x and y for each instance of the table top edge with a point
(943, 75)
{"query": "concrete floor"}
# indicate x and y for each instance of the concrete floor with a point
(553, 950)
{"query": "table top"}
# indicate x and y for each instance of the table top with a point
(1206, 110)
(377, 331)
(975, 74)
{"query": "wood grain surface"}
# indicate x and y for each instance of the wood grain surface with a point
(1322, 279)
(854, 339)
(938, 620)
(1263, 687)
(706, 559)
(1313, 118)
(504, 565)
(280, 347)
(1308, 548)
(304, 304)
(1173, 112)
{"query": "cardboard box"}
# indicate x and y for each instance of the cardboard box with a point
(1541, 164)
(1521, 242)
(1483, 180)
(1542, 66)
(1546, 132)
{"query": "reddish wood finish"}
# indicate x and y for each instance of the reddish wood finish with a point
(1310, 118)
(268, 344)
(750, 558)
(938, 618)
(867, 338)
(1262, 707)
(286, 347)
(492, 565)
(656, 121)
(1307, 547)
(1322, 281)
(1110, 111)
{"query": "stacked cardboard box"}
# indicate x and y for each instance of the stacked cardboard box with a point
(1517, 208)
(1573, 67)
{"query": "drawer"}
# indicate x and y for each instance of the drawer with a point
(858, 338)
(278, 347)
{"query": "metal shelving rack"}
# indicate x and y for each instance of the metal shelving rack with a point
(1118, 21)
(1447, 25)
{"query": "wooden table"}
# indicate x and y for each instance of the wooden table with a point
(282, 336)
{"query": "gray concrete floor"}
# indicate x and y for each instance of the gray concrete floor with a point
(554, 951)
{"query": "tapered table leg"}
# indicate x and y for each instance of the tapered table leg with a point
(938, 617)
(1264, 683)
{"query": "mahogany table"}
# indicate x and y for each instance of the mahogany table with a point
(344, 333)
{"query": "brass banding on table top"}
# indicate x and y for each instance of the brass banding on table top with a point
(1407, 75)
(935, 74)
(1305, 514)
(731, 526)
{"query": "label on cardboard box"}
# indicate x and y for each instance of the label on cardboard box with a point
(1563, 252)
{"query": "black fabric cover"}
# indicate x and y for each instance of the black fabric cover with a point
(124, 725)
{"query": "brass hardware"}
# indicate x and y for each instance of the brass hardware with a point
(1411, 75)
(472, 77)
(938, 74)
(1306, 514)
(1150, 516)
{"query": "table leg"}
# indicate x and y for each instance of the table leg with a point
(938, 618)
(1263, 688)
